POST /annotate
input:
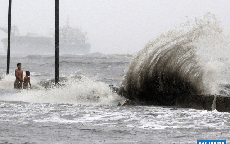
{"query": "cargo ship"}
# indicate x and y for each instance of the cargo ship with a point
(71, 41)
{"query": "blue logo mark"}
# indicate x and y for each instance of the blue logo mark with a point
(211, 141)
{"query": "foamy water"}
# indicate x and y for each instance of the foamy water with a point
(149, 124)
(77, 91)
(144, 117)
(86, 106)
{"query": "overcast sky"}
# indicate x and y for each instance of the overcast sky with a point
(112, 26)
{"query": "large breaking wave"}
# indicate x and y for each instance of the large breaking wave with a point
(173, 65)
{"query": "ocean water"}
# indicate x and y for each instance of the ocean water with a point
(84, 109)
(192, 59)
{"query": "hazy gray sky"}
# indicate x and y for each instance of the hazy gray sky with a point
(112, 26)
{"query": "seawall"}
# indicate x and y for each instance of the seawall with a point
(206, 102)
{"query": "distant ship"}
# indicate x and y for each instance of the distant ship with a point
(71, 41)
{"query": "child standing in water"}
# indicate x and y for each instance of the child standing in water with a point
(26, 80)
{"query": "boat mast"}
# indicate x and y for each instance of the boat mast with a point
(67, 31)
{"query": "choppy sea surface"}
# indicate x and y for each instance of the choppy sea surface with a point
(84, 109)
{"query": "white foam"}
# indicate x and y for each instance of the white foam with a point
(144, 117)
(81, 90)
(213, 76)
(7, 81)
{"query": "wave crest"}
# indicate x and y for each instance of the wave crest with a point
(169, 65)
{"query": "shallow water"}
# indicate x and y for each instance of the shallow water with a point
(72, 123)
(85, 110)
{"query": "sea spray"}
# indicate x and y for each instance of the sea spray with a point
(75, 90)
(7, 81)
(177, 63)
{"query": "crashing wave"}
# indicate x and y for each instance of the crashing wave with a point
(170, 66)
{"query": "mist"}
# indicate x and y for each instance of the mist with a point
(112, 27)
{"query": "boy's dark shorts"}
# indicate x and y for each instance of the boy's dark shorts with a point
(17, 84)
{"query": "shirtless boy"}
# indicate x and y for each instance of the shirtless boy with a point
(26, 80)
(19, 77)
